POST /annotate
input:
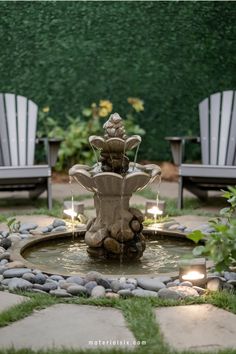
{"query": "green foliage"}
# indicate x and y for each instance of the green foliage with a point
(66, 54)
(220, 245)
(75, 147)
(11, 222)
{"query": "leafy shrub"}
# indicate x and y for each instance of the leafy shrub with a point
(220, 245)
(75, 147)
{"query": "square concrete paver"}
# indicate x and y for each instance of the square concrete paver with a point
(69, 326)
(7, 300)
(197, 327)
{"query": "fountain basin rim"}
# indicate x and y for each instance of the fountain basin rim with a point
(114, 144)
(18, 248)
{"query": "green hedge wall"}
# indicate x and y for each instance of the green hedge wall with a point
(170, 54)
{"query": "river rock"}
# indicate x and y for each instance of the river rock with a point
(5, 243)
(27, 227)
(201, 291)
(144, 293)
(163, 278)
(64, 285)
(232, 282)
(115, 285)
(93, 276)
(76, 279)
(58, 222)
(29, 276)
(14, 237)
(3, 262)
(182, 291)
(168, 293)
(135, 225)
(137, 214)
(125, 293)
(56, 277)
(59, 229)
(19, 284)
(5, 234)
(40, 278)
(5, 255)
(111, 295)
(60, 293)
(186, 283)
(104, 282)
(95, 238)
(90, 285)
(49, 286)
(214, 284)
(16, 272)
(98, 291)
(150, 284)
(230, 275)
(132, 281)
(77, 290)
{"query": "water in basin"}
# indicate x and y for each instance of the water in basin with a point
(70, 256)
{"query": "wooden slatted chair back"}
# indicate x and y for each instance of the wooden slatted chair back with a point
(18, 121)
(218, 129)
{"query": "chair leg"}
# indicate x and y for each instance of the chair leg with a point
(49, 193)
(180, 202)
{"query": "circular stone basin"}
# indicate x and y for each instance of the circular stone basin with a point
(66, 254)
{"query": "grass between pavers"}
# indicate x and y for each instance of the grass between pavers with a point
(138, 313)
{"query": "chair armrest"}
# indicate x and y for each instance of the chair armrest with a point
(177, 145)
(51, 146)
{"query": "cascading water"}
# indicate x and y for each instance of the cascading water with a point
(116, 232)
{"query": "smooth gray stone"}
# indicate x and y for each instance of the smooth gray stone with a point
(201, 291)
(59, 228)
(163, 278)
(232, 282)
(93, 276)
(56, 277)
(24, 236)
(50, 227)
(49, 286)
(144, 293)
(104, 282)
(181, 228)
(27, 227)
(3, 262)
(21, 284)
(127, 286)
(90, 285)
(115, 285)
(125, 293)
(15, 272)
(230, 275)
(214, 284)
(58, 222)
(5, 234)
(188, 230)
(29, 276)
(44, 229)
(76, 279)
(150, 284)
(5, 255)
(168, 293)
(5, 243)
(5, 281)
(98, 291)
(60, 293)
(170, 284)
(132, 281)
(2, 269)
(186, 283)
(77, 290)
(40, 278)
(182, 291)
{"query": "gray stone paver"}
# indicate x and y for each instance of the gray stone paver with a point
(197, 327)
(7, 300)
(68, 326)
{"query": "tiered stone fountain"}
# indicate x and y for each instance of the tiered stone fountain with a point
(116, 232)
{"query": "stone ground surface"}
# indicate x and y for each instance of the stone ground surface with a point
(69, 326)
(8, 300)
(197, 327)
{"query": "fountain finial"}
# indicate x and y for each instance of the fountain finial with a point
(114, 127)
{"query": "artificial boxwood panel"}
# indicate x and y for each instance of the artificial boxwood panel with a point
(170, 54)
